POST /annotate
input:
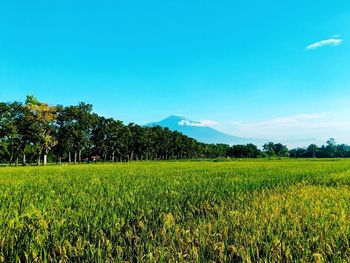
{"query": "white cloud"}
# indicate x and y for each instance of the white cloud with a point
(289, 120)
(300, 126)
(209, 123)
(304, 126)
(203, 123)
(335, 41)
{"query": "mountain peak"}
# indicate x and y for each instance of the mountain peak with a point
(175, 118)
(197, 130)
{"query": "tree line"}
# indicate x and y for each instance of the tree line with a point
(330, 150)
(34, 131)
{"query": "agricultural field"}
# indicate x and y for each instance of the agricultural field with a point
(248, 210)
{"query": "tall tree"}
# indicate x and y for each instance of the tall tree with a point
(14, 128)
(312, 149)
(331, 147)
(76, 123)
(269, 148)
(42, 118)
(108, 138)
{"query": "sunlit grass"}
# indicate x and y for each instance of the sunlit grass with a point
(287, 210)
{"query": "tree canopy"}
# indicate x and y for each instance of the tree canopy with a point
(33, 131)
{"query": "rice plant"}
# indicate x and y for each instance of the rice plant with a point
(251, 210)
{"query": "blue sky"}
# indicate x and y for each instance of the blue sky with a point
(268, 69)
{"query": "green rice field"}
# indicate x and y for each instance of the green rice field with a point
(195, 211)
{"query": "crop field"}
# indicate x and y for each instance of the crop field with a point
(249, 210)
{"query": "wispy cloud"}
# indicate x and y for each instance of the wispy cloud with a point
(203, 123)
(336, 36)
(288, 121)
(299, 126)
(334, 41)
(209, 123)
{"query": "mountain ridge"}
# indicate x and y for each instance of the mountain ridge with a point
(199, 131)
(206, 134)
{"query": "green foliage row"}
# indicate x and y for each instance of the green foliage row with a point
(261, 211)
(34, 131)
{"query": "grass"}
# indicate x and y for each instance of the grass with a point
(248, 210)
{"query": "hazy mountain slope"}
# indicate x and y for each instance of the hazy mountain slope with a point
(199, 132)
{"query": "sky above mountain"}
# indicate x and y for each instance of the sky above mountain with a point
(264, 69)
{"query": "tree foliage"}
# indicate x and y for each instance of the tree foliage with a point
(34, 130)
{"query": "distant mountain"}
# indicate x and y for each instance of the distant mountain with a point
(200, 132)
(207, 134)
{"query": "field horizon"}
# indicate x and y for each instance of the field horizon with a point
(249, 210)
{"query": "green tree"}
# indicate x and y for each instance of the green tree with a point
(312, 149)
(42, 119)
(75, 126)
(331, 148)
(269, 148)
(280, 150)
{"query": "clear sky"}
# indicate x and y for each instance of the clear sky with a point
(268, 69)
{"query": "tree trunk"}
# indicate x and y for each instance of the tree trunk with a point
(24, 160)
(60, 160)
(17, 161)
(45, 157)
(39, 158)
(79, 156)
(75, 157)
(69, 157)
(113, 156)
(11, 154)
